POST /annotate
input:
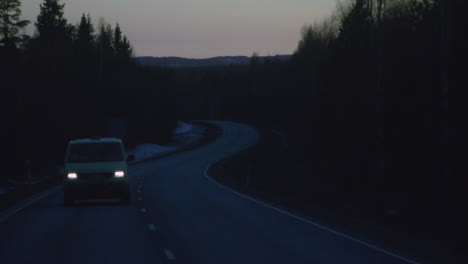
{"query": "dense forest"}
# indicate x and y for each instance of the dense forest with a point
(380, 75)
(67, 81)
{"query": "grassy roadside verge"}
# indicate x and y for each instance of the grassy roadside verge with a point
(21, 192)
(272, 174)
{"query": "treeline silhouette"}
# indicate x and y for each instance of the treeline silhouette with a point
(67, 81)
(364, 103)
(382, 136)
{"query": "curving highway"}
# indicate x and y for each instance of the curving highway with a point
(177, 215)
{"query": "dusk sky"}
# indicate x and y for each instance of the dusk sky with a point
(200, 28)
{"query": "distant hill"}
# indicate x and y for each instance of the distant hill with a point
(177, 62)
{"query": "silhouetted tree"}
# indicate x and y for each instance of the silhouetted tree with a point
(51, 23)
(126, 50)
(85, 36)
(10, 23)
(11, 78)
(355, 30)
(122, 47)
(117, 39)
(53, 45)
(104, 45)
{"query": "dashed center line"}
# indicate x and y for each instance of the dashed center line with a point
(151, 227)
(170, 256)
(139, 198)
(143, 210)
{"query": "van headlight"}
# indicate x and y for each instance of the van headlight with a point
(119, 174)
(72, 176)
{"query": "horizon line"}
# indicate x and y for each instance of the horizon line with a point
(221, 56)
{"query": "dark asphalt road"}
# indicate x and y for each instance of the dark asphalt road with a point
(182, 217)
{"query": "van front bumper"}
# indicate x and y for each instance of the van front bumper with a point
(96, 190)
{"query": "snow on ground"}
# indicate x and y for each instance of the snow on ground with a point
(182, 128)
(183, 132)
(146, 151)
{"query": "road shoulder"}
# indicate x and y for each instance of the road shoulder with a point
(237, 173)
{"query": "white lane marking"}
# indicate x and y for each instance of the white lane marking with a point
(170, 256)
(308, 221)
(143, 210)
(139, 199)
(139, 191)
(29, 202)
(151, 227)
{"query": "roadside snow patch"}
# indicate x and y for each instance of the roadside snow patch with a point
(146, 151)
(183, 135)
(182, 128)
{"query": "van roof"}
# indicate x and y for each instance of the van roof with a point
(95, 140)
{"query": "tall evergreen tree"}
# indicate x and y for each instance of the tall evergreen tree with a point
(85, 49)
(122, 47)
(10, 23)
(117, 39)
(85, 35)
(104, 45)
(53, 45)
(127, 49)
(51, 23)
(105, 38)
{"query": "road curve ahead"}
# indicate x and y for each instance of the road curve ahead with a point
(177, 215)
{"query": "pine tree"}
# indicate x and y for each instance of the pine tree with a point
(105, 38)
(104, 45)
(127, 50)
(10, 23)
(85, 35)
(122, 47)
(53, 46)
(85, 47)
(51, 23)
(117, 40)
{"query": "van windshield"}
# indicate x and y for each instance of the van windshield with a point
(95, 152)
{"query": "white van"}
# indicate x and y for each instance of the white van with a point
(96, 168)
